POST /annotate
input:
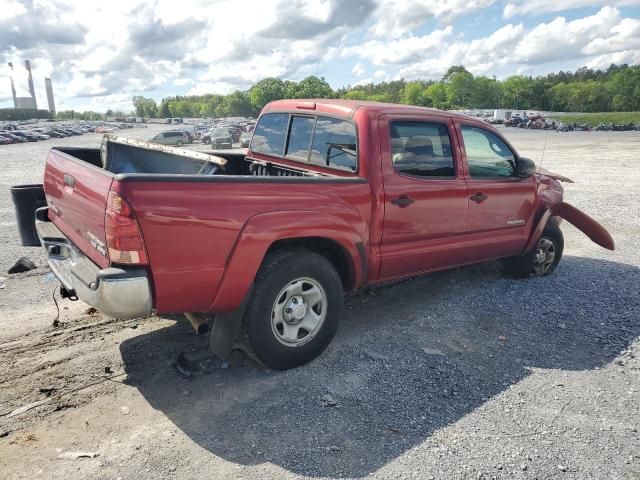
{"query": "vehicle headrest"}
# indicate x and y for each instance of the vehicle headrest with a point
(419, 145)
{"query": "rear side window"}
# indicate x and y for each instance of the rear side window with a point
(421, 149)
(270, 133)
(334, 144)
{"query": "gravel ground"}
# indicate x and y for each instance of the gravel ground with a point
(459, 374)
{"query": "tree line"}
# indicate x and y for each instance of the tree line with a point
(616, 89)
(586, 90)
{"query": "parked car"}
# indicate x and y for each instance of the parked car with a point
(245, 138)
(15, 138)
(331, 196)
(172, 137)
(39, 135)
(6, 140)
(27, 136)
(220, 139)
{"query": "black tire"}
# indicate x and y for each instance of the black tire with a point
(279, 270)
(179, 143)
(525, 266)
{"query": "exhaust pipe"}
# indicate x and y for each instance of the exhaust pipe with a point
(199, 322)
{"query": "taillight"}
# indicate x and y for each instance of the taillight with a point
(124, 238)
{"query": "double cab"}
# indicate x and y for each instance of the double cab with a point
(262, 244)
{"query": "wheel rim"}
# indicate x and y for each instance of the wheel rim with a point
(298, 312)
(545, 255)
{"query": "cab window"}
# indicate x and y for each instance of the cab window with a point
(421, 149)
(334, 144)
(300, 137)
(326, 141)
(487, 155)
(270, 134)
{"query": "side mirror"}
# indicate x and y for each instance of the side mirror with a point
(525, 167)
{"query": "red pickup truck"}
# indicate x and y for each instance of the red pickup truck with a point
(331, 195)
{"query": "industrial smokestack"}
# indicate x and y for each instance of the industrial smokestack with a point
(27, 65)
(49, 88)
(13, 87)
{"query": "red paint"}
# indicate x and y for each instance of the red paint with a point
(206, 240)
(81, 207)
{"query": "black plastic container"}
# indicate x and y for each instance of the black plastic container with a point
(28, 198)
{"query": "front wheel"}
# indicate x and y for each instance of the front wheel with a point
(179, 143)
(294, 310)
(542, 259)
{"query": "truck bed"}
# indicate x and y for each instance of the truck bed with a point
(192, 208)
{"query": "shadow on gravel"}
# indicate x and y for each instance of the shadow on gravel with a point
(481, 333)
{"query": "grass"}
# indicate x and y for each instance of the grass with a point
(596, 118)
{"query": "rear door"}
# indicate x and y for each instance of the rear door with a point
(77, 193)
(426, 197)
(501, 205)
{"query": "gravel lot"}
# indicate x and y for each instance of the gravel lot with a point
(460, 374)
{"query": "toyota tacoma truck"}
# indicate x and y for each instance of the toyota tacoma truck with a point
(263, 244)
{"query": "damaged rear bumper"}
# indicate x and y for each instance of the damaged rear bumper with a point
(115, 292)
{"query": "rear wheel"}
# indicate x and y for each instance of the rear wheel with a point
(542, 259)
(179, 143)
(294, 310)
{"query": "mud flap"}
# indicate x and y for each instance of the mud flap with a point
(225, 329)
(592, 229)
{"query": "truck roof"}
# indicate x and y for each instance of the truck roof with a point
(346, 108)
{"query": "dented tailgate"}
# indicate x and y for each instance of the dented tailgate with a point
(77, 193)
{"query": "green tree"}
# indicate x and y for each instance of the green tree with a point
(517, 92)
(145, 107)
(265, 91)
(163, 109)
(237, 104)
(485, 93)
(437, 95)
(313, 87)
(355, 94)
(460, 85)
(415, 93)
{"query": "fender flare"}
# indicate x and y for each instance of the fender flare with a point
(263, 230)
(583, 222)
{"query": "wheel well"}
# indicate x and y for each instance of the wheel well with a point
(329, 249)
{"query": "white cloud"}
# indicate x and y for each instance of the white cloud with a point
(402, 50)
(539, 7)
(358, 70)
(398, 17)
(364, 81)
(512, 46)
(11, 9)
(221, 88)
(101, 54)
(630, 57)
(560, 39)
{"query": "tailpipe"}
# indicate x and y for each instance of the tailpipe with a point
(199, 322)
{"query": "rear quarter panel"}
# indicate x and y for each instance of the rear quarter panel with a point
(190, 227)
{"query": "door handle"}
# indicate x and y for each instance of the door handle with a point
(479, 197)
(403, 201)
(69, 181)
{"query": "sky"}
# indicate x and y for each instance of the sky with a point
(101, 53)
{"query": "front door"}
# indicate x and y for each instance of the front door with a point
(501, 204)
(425, 197)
